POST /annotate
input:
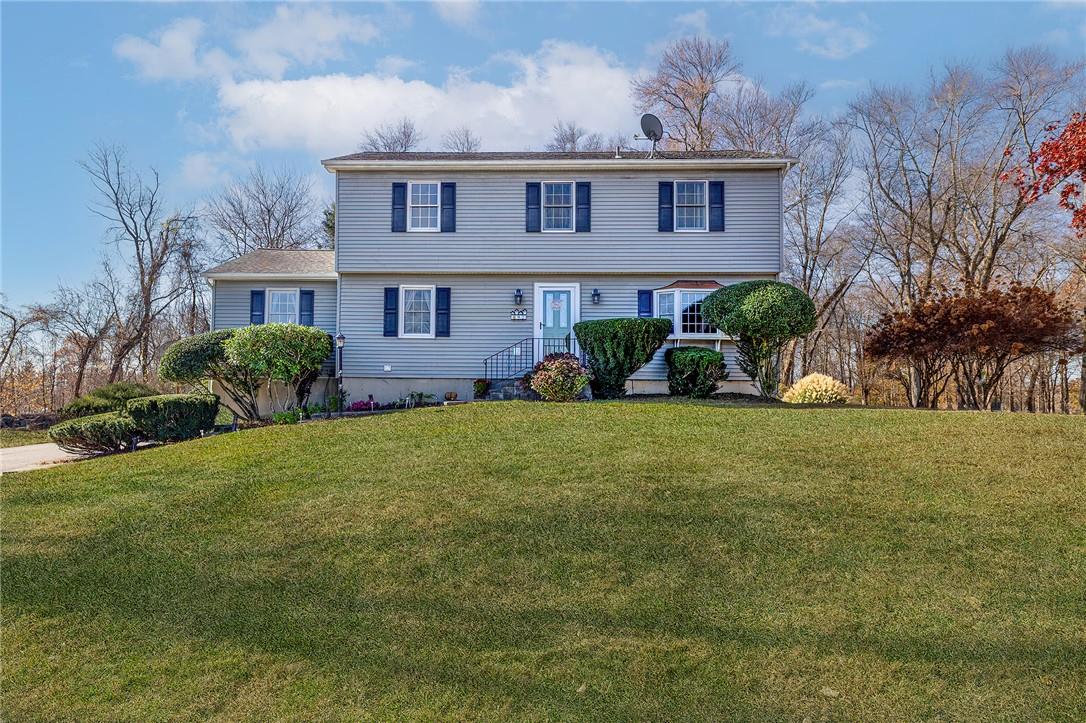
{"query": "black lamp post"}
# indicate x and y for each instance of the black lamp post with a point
(340, 341)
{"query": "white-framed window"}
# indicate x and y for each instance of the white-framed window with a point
(282, 306)
(691, 205)
(423, 206)
(683, 307)
(417, 311)
(557, 205)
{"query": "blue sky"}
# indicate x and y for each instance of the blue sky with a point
(200, 91)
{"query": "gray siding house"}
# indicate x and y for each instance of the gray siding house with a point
(449, 267)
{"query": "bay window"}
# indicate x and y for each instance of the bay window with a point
(683, 307)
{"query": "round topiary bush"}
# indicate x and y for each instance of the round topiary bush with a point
(173, 417)
(290, 354)
(559, 378)
(197, 359)
(762, 316)
(817, 389)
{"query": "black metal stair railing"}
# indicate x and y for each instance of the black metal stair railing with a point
(518, 359)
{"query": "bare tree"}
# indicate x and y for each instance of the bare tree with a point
(17, 323)
(569, 137)
(266, 210)
(148, 240)
(83, 317)
(685, 90)
(461, 140)
(399, 137)
(754, 119)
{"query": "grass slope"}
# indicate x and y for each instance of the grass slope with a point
(22, 437)
(530, 561)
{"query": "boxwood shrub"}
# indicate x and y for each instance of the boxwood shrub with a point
(617, 348)
(693, 371)
(109, 432)
(109, 398)
(173, 417)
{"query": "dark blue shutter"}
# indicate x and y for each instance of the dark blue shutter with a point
(667, 206)
(716, 205)
(532, 209)
(584, 206)
(448, 207)
(256, 306)
(399, 206)
(392, 309)
(305, 307)
(441, 309)
(644, 302)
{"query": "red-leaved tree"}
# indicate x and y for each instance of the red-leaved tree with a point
(976, 338)
(1060, 162)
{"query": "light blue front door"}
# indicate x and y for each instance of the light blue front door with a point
(556, 320)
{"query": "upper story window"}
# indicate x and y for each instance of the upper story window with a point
(417, 318)
(283, 306)
(424, 206)
(691, 198)
(683, 307)
(558, 206)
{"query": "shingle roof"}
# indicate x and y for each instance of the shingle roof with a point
(279, 261)
(553, 156)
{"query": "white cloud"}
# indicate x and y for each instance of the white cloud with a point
(839, 84)
(462, 13)
(302, 34)
(328, 114)
(202, 170)
(394, 65)
(696, 22)
(174, 53)
(819, 36)
(294, 35)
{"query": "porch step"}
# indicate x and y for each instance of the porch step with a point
(509, 389)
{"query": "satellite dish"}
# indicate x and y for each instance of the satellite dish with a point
(652, 127)
(653, 130)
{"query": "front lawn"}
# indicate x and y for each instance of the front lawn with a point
(599, 561)
(22, 437)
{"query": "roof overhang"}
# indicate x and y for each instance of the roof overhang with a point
(270, 276)
(608, 164)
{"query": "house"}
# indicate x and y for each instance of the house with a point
(449, 267)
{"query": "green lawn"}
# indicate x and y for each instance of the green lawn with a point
(22, 437)
(529, 561)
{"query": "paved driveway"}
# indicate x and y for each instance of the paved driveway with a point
(33, 456)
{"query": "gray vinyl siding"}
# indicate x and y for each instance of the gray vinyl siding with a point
(230, 301)
(490, 235)
(479, 321)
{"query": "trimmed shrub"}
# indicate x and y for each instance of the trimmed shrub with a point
(105, 433)
(694, 371)
(291, 416)
(559, 378)
(201, 358)
(110, 398)
(288, 353)
(762, 316)
(817, 389)
(173, 417)
(617, 348)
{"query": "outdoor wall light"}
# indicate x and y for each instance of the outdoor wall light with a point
(340, 341)
(595, 296)
(518, 297)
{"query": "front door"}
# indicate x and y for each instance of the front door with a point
(557, 310)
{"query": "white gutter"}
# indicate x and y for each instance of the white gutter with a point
(595, 164)
(260, 276)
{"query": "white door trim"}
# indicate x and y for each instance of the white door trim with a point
(574, 311)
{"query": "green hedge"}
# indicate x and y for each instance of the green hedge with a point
(110, 398)
(109, 432)
(617, 348)
(694, 371)
(173, 417)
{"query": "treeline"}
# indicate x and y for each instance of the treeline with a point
(958, 189)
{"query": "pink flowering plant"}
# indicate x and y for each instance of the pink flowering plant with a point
(559, 378)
